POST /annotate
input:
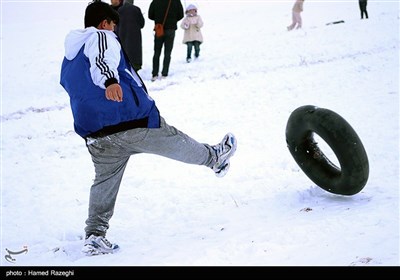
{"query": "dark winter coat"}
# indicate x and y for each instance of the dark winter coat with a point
(157, 11)
(131, 21)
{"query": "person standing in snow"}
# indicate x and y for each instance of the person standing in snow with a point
(172, 11)
(363, 8)
(131, 21)
(192, 35)
(296, 15)
(117, 118)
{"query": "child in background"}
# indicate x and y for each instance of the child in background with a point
(192, 36)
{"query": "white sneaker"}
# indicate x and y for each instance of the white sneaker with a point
(224, 151)
(154, 78)
(98, 245)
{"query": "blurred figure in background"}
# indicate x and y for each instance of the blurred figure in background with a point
(296, 15)
(363, 8)
(172, 12)
(131, 21)
(192, 36)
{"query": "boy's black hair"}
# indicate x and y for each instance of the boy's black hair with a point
(97, 11)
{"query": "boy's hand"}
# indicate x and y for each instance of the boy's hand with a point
(114, 92)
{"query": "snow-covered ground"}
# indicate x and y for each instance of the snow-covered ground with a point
(252, 73)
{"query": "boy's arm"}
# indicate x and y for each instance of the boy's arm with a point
(104, 53)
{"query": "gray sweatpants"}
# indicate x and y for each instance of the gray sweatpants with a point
(110, 155)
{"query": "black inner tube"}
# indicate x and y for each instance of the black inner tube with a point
(352, 175)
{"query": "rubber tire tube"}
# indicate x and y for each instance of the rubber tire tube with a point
(352, 175)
